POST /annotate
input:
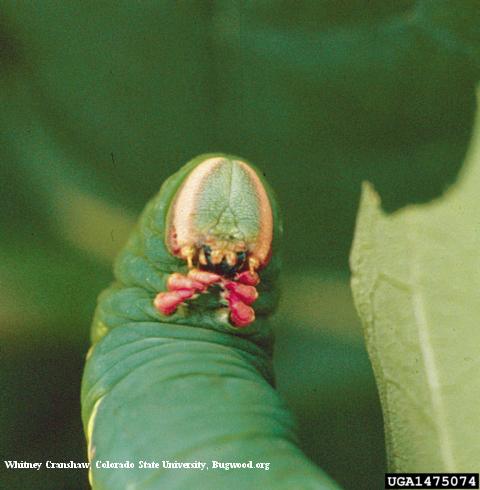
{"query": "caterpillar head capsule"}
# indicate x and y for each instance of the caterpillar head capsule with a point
(220, 223)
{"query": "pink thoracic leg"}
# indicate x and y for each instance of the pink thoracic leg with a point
(180, 288)
(240, 293)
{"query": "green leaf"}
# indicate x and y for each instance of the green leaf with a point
(416, 282)
(188, 387)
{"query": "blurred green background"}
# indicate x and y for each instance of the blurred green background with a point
(101, 101)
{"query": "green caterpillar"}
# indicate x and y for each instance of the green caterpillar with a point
(180, 368)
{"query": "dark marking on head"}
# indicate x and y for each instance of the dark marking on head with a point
(224, 268)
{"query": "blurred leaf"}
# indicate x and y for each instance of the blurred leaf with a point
(415, 283)
(327, 92)
(40, 413)
(47, 290)
(326, 304)
(92, 224)
(326, 379)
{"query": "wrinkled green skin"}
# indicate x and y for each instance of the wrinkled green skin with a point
(189, 386)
